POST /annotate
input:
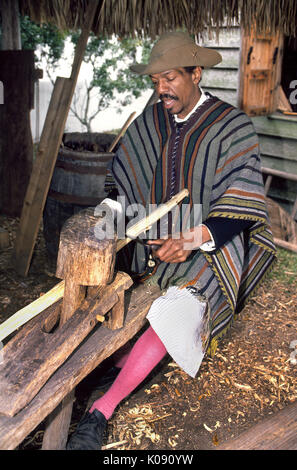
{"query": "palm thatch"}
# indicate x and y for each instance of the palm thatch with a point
(153, 17)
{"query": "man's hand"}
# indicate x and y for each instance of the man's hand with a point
(177, 250)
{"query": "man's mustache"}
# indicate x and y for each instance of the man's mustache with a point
(165, 95)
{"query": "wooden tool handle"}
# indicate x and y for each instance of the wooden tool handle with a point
(146, 223)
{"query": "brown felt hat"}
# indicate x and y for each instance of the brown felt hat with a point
(175, 50)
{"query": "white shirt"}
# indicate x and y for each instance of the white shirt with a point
(210, 245)
(201, 100)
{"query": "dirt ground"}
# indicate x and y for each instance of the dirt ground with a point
(250, 377)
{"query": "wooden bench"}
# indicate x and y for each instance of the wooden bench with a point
(54, 351)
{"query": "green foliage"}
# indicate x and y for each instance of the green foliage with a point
(48, 37)
(110, 59)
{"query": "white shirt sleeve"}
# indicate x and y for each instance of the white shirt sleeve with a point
(210, 245)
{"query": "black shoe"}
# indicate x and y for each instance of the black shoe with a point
(89, 432)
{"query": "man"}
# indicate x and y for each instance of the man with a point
(192, 140)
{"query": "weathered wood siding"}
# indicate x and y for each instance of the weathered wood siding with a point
(277, 132)
(222, 80)
(278, 147)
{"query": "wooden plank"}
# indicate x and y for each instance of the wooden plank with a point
(213, 79)
(279, 163)
(47, 153)
(276, 432)
(102, 343)
(221, 78)
(58, 422)
(283, 102)
(41, 175)
(229, 96)
(275, 126)
(230, 57)
(228, 37)
(26, 369)
(279, 146)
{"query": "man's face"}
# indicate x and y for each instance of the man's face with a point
(178, 89)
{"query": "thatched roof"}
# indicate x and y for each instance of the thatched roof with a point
(152, 17)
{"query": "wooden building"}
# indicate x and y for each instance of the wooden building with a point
(260, 97)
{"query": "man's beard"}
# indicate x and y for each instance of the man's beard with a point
(166, 95)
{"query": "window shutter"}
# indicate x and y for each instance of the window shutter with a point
(260, 72)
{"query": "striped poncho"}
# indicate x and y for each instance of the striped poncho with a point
(217, 158)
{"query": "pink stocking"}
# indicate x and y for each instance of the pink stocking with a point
(146, 353)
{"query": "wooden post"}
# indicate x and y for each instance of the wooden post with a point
(47, 153)
(11, 33)
(276, 432)
(16, 155)
(80, 263)
(116, 319)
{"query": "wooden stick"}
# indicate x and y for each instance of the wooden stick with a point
(280, 174)
(146, 223)
(52, 296)
(31, 310)
(287, 245)
(122, 132)
(114, 444)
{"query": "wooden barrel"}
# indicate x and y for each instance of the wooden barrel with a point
(77, 182)
(79, 177)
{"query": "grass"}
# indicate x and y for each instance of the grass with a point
(285, 269)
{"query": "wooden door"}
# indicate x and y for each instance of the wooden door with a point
(260, 72)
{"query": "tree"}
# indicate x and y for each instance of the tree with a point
(111, 79)
(46, 40)
(108, 60)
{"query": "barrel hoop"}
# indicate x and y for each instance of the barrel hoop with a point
(79, 200)
(91, 170)
(103, 157)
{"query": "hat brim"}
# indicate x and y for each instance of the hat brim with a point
(184, 56)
